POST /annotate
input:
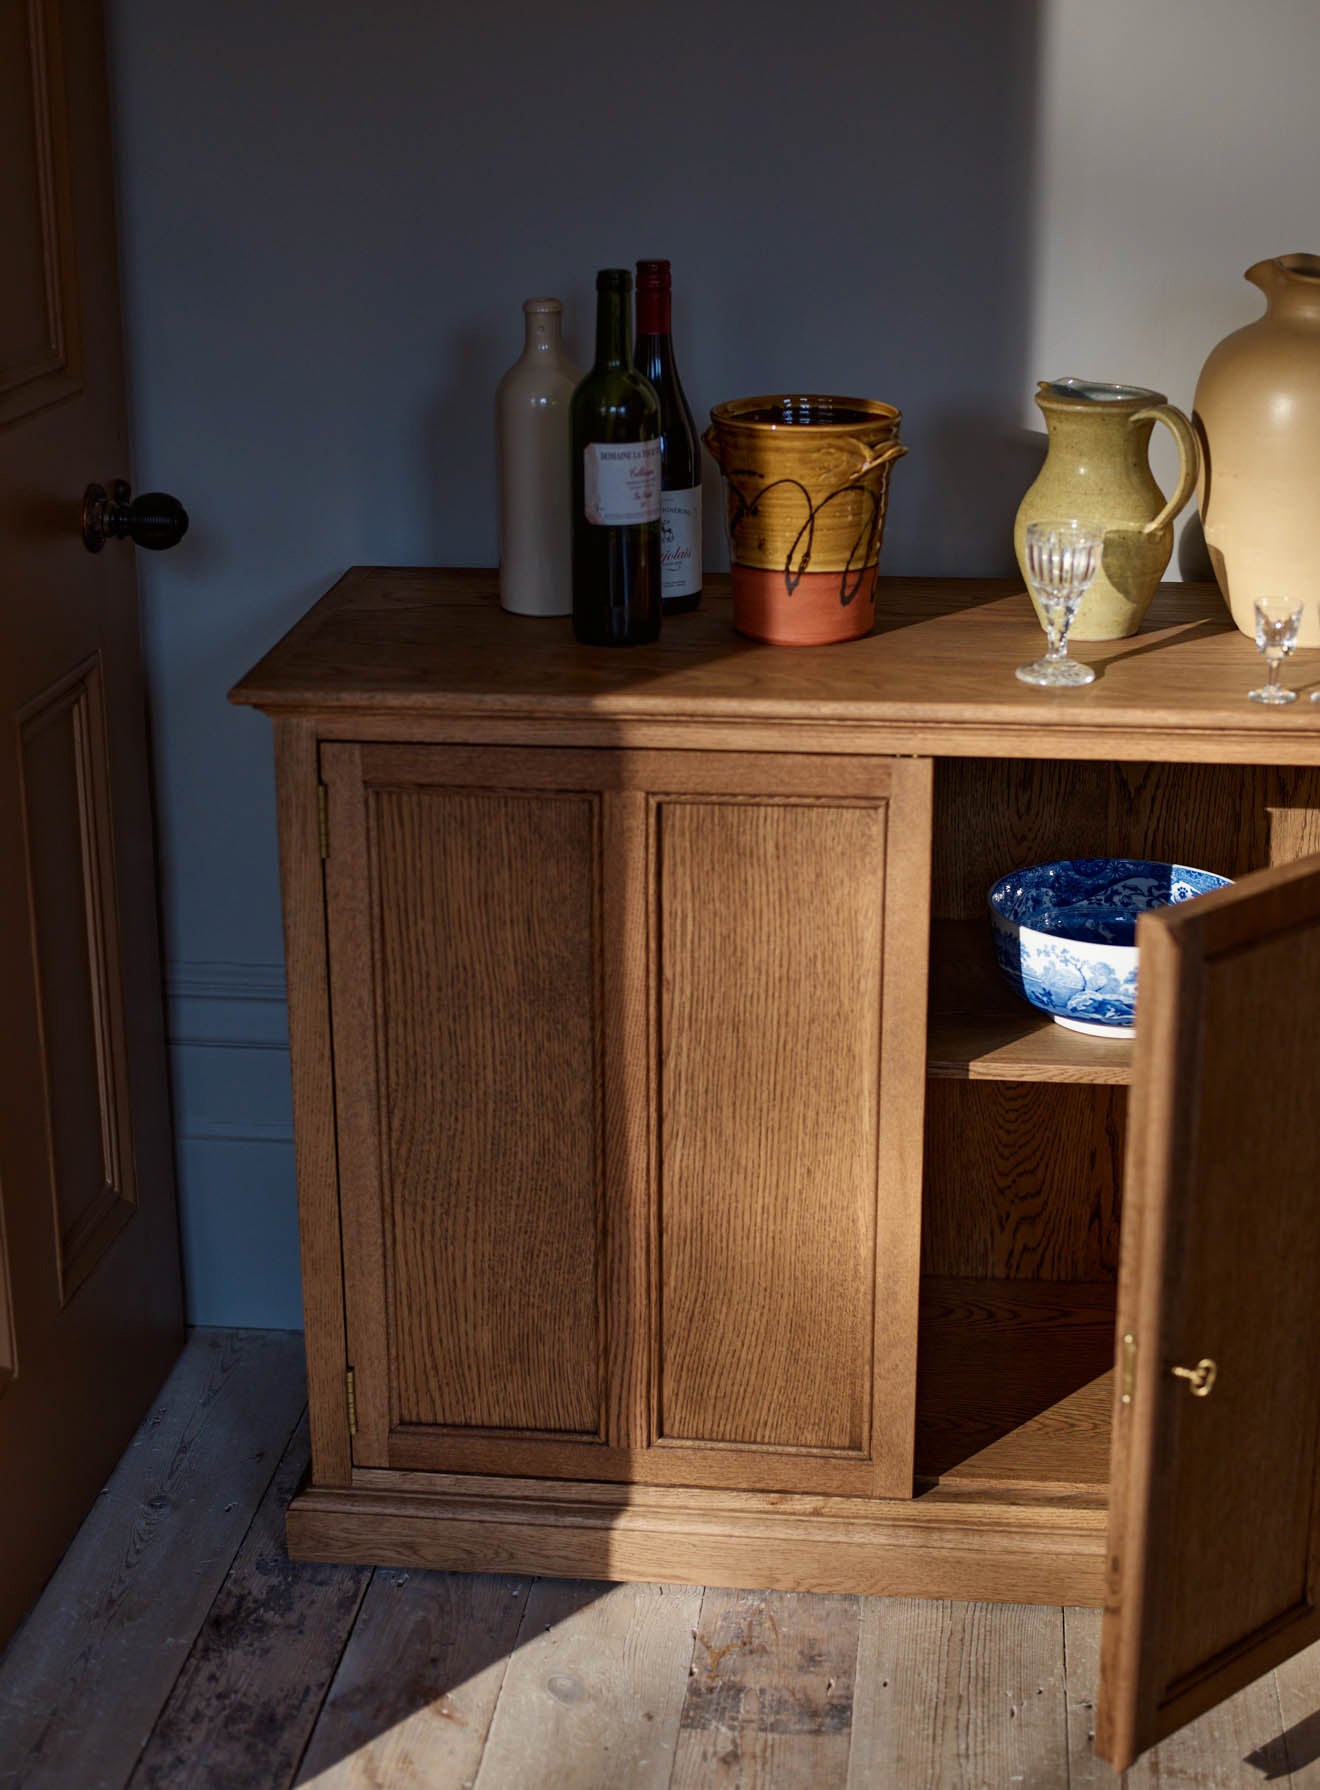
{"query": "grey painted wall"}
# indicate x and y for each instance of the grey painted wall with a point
(330, 214)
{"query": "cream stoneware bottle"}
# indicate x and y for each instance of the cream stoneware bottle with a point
(1097, 471)
(1257, 411)
(535, 477)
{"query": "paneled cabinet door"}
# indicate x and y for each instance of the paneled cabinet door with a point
(629, 1059)
(1215, 1524)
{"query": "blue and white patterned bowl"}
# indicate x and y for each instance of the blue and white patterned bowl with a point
(1065, 934)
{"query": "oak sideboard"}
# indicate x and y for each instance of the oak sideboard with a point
(682, 1194)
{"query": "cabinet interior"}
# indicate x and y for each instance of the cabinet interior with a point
(1025, 1121)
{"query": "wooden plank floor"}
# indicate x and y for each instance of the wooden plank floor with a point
(178, 1648)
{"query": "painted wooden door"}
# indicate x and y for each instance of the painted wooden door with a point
(1214, 1556)
(90, 1315)
(629, 1058)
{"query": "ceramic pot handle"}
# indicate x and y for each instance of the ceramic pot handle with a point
(1189, 459)
(711, 437)
(874, 457)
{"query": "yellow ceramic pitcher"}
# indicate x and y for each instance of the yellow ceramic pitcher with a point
(1097, 471)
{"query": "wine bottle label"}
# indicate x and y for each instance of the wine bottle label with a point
(680, 542)
(622, 480)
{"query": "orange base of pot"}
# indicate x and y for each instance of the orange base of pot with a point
(811, 614)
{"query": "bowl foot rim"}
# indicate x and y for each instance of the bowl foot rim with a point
(1094, 1030)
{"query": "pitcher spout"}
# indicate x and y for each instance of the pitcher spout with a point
(1291, 280)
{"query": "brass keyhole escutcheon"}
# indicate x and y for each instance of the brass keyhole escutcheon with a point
(1200, 1378)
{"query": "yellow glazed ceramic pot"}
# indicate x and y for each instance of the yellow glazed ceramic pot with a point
(1097, 470)
(806, 485)
(1258, 414)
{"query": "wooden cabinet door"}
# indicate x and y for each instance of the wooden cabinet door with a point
(1214, 1552)
(786, 967)
(466, 897)
(629, 1060)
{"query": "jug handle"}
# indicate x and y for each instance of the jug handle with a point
(873, 457)
(1189, 459)
(711, 438)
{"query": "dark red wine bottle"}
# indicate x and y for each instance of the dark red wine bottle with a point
(680, 454)
(616, 483)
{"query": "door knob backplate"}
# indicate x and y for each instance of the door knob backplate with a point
(154, 520)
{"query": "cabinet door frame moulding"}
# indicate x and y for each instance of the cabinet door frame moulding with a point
(631, 789)
(299, 794)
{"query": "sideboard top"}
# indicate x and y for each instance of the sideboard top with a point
(431, 651)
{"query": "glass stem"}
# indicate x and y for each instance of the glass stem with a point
(1056, 632)
(1273, 662)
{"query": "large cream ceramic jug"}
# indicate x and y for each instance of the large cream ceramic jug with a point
(1097, 470)
(1258, 413)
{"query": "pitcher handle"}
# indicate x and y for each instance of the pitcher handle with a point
(710, 436)
(874, 457)
(1189, 459)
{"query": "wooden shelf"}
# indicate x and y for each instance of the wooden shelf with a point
(1009, 1047)
(979, 1030)
(1015, 1384)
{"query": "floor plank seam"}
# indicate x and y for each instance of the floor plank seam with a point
(329, 1685)
(197, 1333)
(691, 1674)
(532, 1581)
(1067, 1736)
(1283, 1728)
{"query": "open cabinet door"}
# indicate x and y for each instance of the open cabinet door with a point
(1214, 1545)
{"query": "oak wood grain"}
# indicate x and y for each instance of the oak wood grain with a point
(1022, 1047)
(1023, 1179)
(936, 676)
(789, 1143)
(771, 919)
(469, 1107)
(993, 815)
(1215, 1544)
(770, 1699)
(1013, 1385)
(486, 923)
(320, 1240)
(980, 1030)
(989, 1541)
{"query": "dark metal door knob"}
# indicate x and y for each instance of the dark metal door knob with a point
(153, 520)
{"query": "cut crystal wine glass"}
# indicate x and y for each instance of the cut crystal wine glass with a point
(1062, 559)
(1277, 622)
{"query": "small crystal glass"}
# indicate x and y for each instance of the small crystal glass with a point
(1062, 559)
(1277, 622)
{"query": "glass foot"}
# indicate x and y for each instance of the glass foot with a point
(1058, 672)
(1272, 694)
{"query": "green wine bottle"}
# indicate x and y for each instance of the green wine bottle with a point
(616, 483)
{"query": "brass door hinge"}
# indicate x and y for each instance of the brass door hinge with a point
(350, 1391)
(1129, 1367)
(323, 818)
